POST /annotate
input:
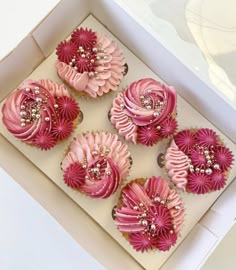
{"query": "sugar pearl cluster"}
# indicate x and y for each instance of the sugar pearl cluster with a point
(82, 52)
(32, 106)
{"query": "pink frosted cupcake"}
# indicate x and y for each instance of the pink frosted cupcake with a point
(90, 63)
(197, 161)
(96, 164)
(149, 214)
(145, 112)
(40, 113)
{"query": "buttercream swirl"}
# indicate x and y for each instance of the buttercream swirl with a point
(105, 160)
(145, 102)
(109, 70)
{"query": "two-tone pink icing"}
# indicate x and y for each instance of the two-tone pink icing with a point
(197, 161)
(151, 215)
(145, 104)
(105, 163)
(30, 113)
(104, 74)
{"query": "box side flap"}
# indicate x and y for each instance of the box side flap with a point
(193, 250)
(68, 14)
(19, 64)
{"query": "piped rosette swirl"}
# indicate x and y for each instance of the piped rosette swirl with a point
(145, 112)
(197, 161)
(90, 63)
(149, 214)
(96, 164)
(40, 113)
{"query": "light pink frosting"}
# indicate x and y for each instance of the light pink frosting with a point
(130, 106)
(108, 149)
(109, 71)
(123, 122)
(177, 165)
(20, 98)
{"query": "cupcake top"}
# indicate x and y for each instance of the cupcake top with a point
(40, 113)
(90, 62)
(145, 112)
(150, 214)
(96, 164)
(197, 161)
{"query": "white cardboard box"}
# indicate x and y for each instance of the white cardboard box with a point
(24, 59)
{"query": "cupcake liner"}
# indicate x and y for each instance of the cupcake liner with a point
(105, 162)
(197, 161)
(149, 214)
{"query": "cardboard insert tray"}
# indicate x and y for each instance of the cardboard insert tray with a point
(144, 158)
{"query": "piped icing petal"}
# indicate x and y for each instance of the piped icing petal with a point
(105, 161)
(96, 68)
(149, 214)
(143, 106)
(197, 161)
(177, 165)
(31, 113)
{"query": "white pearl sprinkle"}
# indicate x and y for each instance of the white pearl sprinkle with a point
(156, 114)
(47, 119)
(27, 89)
(55, 106)
(144, 222)
(153, 227)
(208, 171)
(216, 166)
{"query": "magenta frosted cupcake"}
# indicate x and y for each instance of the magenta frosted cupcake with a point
(96, 164)
(40, 113)
(149, 214)
(197, 161)
(90, 63)
(145, 112)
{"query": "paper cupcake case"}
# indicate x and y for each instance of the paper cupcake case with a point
(144, 158)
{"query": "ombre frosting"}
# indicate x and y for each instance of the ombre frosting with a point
(30, 113)
(105, 163)
(94, 69)
(150, 214)
(197, 161)
(144, 105)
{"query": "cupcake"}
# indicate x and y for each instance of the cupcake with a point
(90, 63)
(145, 112)
(149, 214)
(197, 161)
(40, 113)
(96, 164)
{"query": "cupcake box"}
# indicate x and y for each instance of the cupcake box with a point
(89, 222)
